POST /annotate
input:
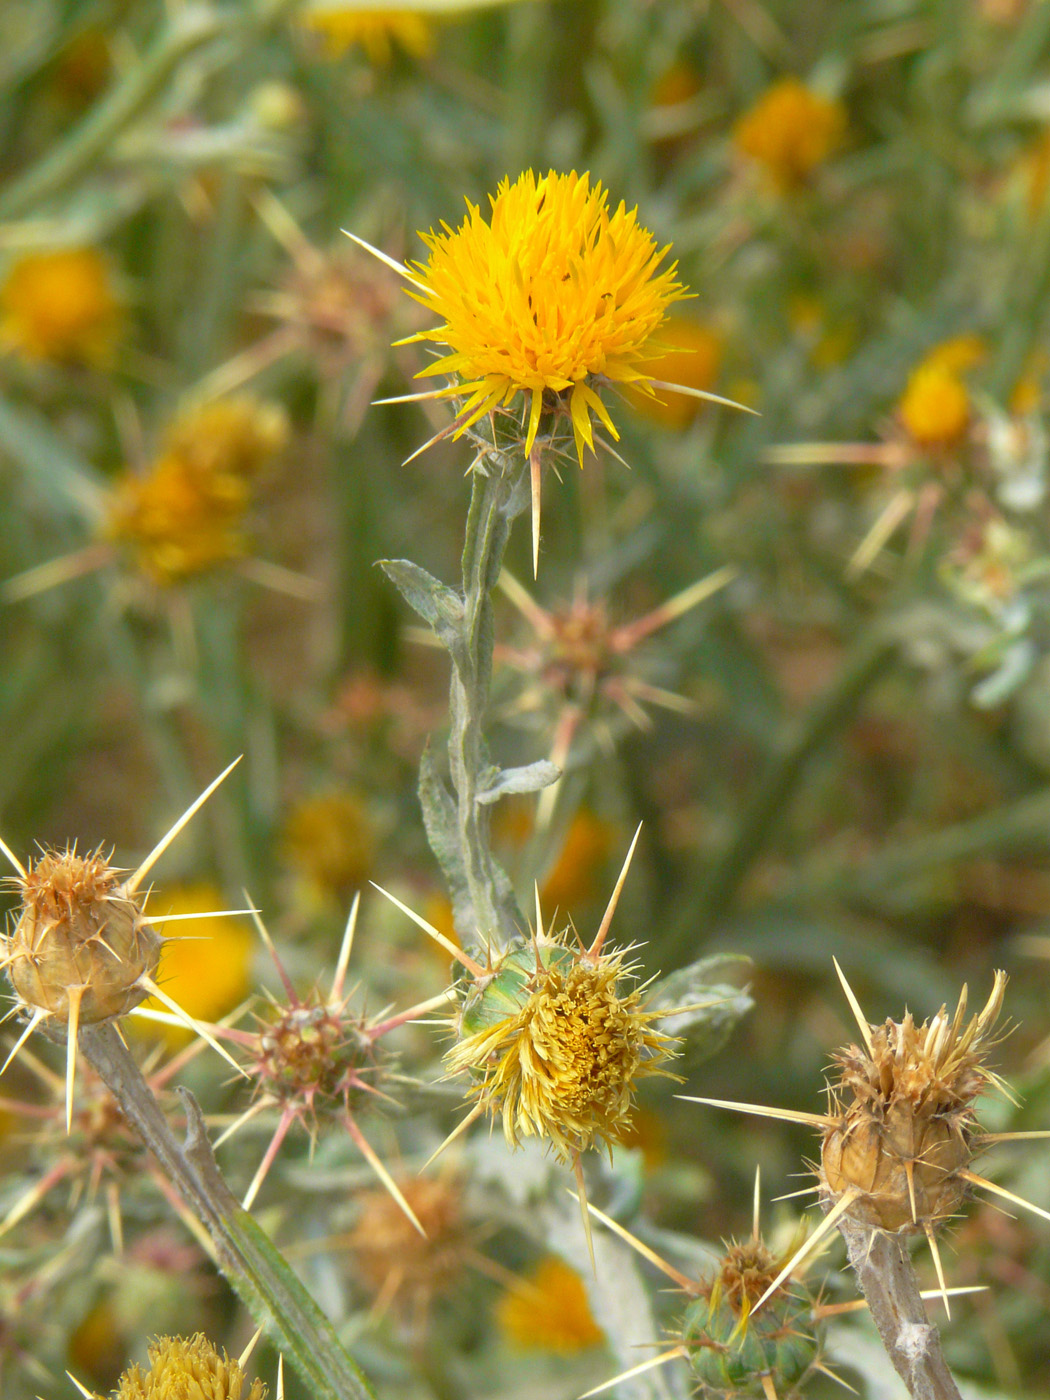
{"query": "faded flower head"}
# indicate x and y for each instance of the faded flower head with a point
(692, 357)
(190, 1369)
(61, 307)
(903, 1127)
(328, 840)
(790, 131)
(550, 297)
(80, 935)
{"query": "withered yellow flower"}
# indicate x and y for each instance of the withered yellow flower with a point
(191, 1369)
(551, 295)
(378, 31)
(790, 131)
(62, 307)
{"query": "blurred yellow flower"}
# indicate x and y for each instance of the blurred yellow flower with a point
(552, 295)
(206, 963)
(574, 877)
(61, 307)
(789, 131)
(935, 407)
(378, 31)
(693, 358)
(549, 1311)
(186, 513)
(329, 841)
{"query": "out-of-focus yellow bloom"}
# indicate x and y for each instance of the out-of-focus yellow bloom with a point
(186, 513)
(693, 358)
(790, 131)
(935, 407)
(574, 878)
(549, 1311)
(206, 963)
(61, 307)
(378, 31)
(329, 841)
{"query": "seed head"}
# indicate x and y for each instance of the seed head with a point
(904, 1123)
(79, 933)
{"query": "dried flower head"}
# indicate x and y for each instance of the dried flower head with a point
(61, 307)
(548, 1310)
(790, 131)
(901, 1131)
(82, 950)
(192, 1369)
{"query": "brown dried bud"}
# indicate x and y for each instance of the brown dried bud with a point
(79, 932)
(905, 1126)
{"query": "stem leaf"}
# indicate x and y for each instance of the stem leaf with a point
(529, 778)
(434, 601)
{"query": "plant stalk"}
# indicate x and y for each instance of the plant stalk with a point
(887, 1279)
(256, 1270)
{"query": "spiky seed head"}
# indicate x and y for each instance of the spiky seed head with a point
(729, 1348)
(557, 1041)
(191, 1369)
(905, 1120)
(78, 928)
(312, 1054)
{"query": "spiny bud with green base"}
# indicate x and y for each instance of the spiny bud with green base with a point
(733, 1351)
(557, 1039)
(79, 933)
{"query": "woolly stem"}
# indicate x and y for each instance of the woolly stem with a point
(887, 1279)
(256, 1270)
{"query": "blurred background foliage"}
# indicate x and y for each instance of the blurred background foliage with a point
(843, 752)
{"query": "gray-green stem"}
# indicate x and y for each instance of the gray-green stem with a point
(887, 1279)
(498, 495)
(258, 1273)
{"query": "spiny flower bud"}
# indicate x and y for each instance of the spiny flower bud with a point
(558, 1043)
(80, 934)
(187, 1370)
(903, 1121)
(731, 1348)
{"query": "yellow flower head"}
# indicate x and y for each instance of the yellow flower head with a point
(329, 840)
(549, 1311)
(61, 307)
(553, 294)
(207, 961)
(187, 1370)
(186, 513)
(377, 31)
(935, 407)
(557, 1043)
(790, 131)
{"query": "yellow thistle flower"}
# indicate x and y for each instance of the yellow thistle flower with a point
(207, 965)
(185, 514)
(187, 1370)
(549, 1311)
(378, 31)
(552, 295)
(61, 307)
(935, 407)
(329, 841)
(789, 131)
(693, 358)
